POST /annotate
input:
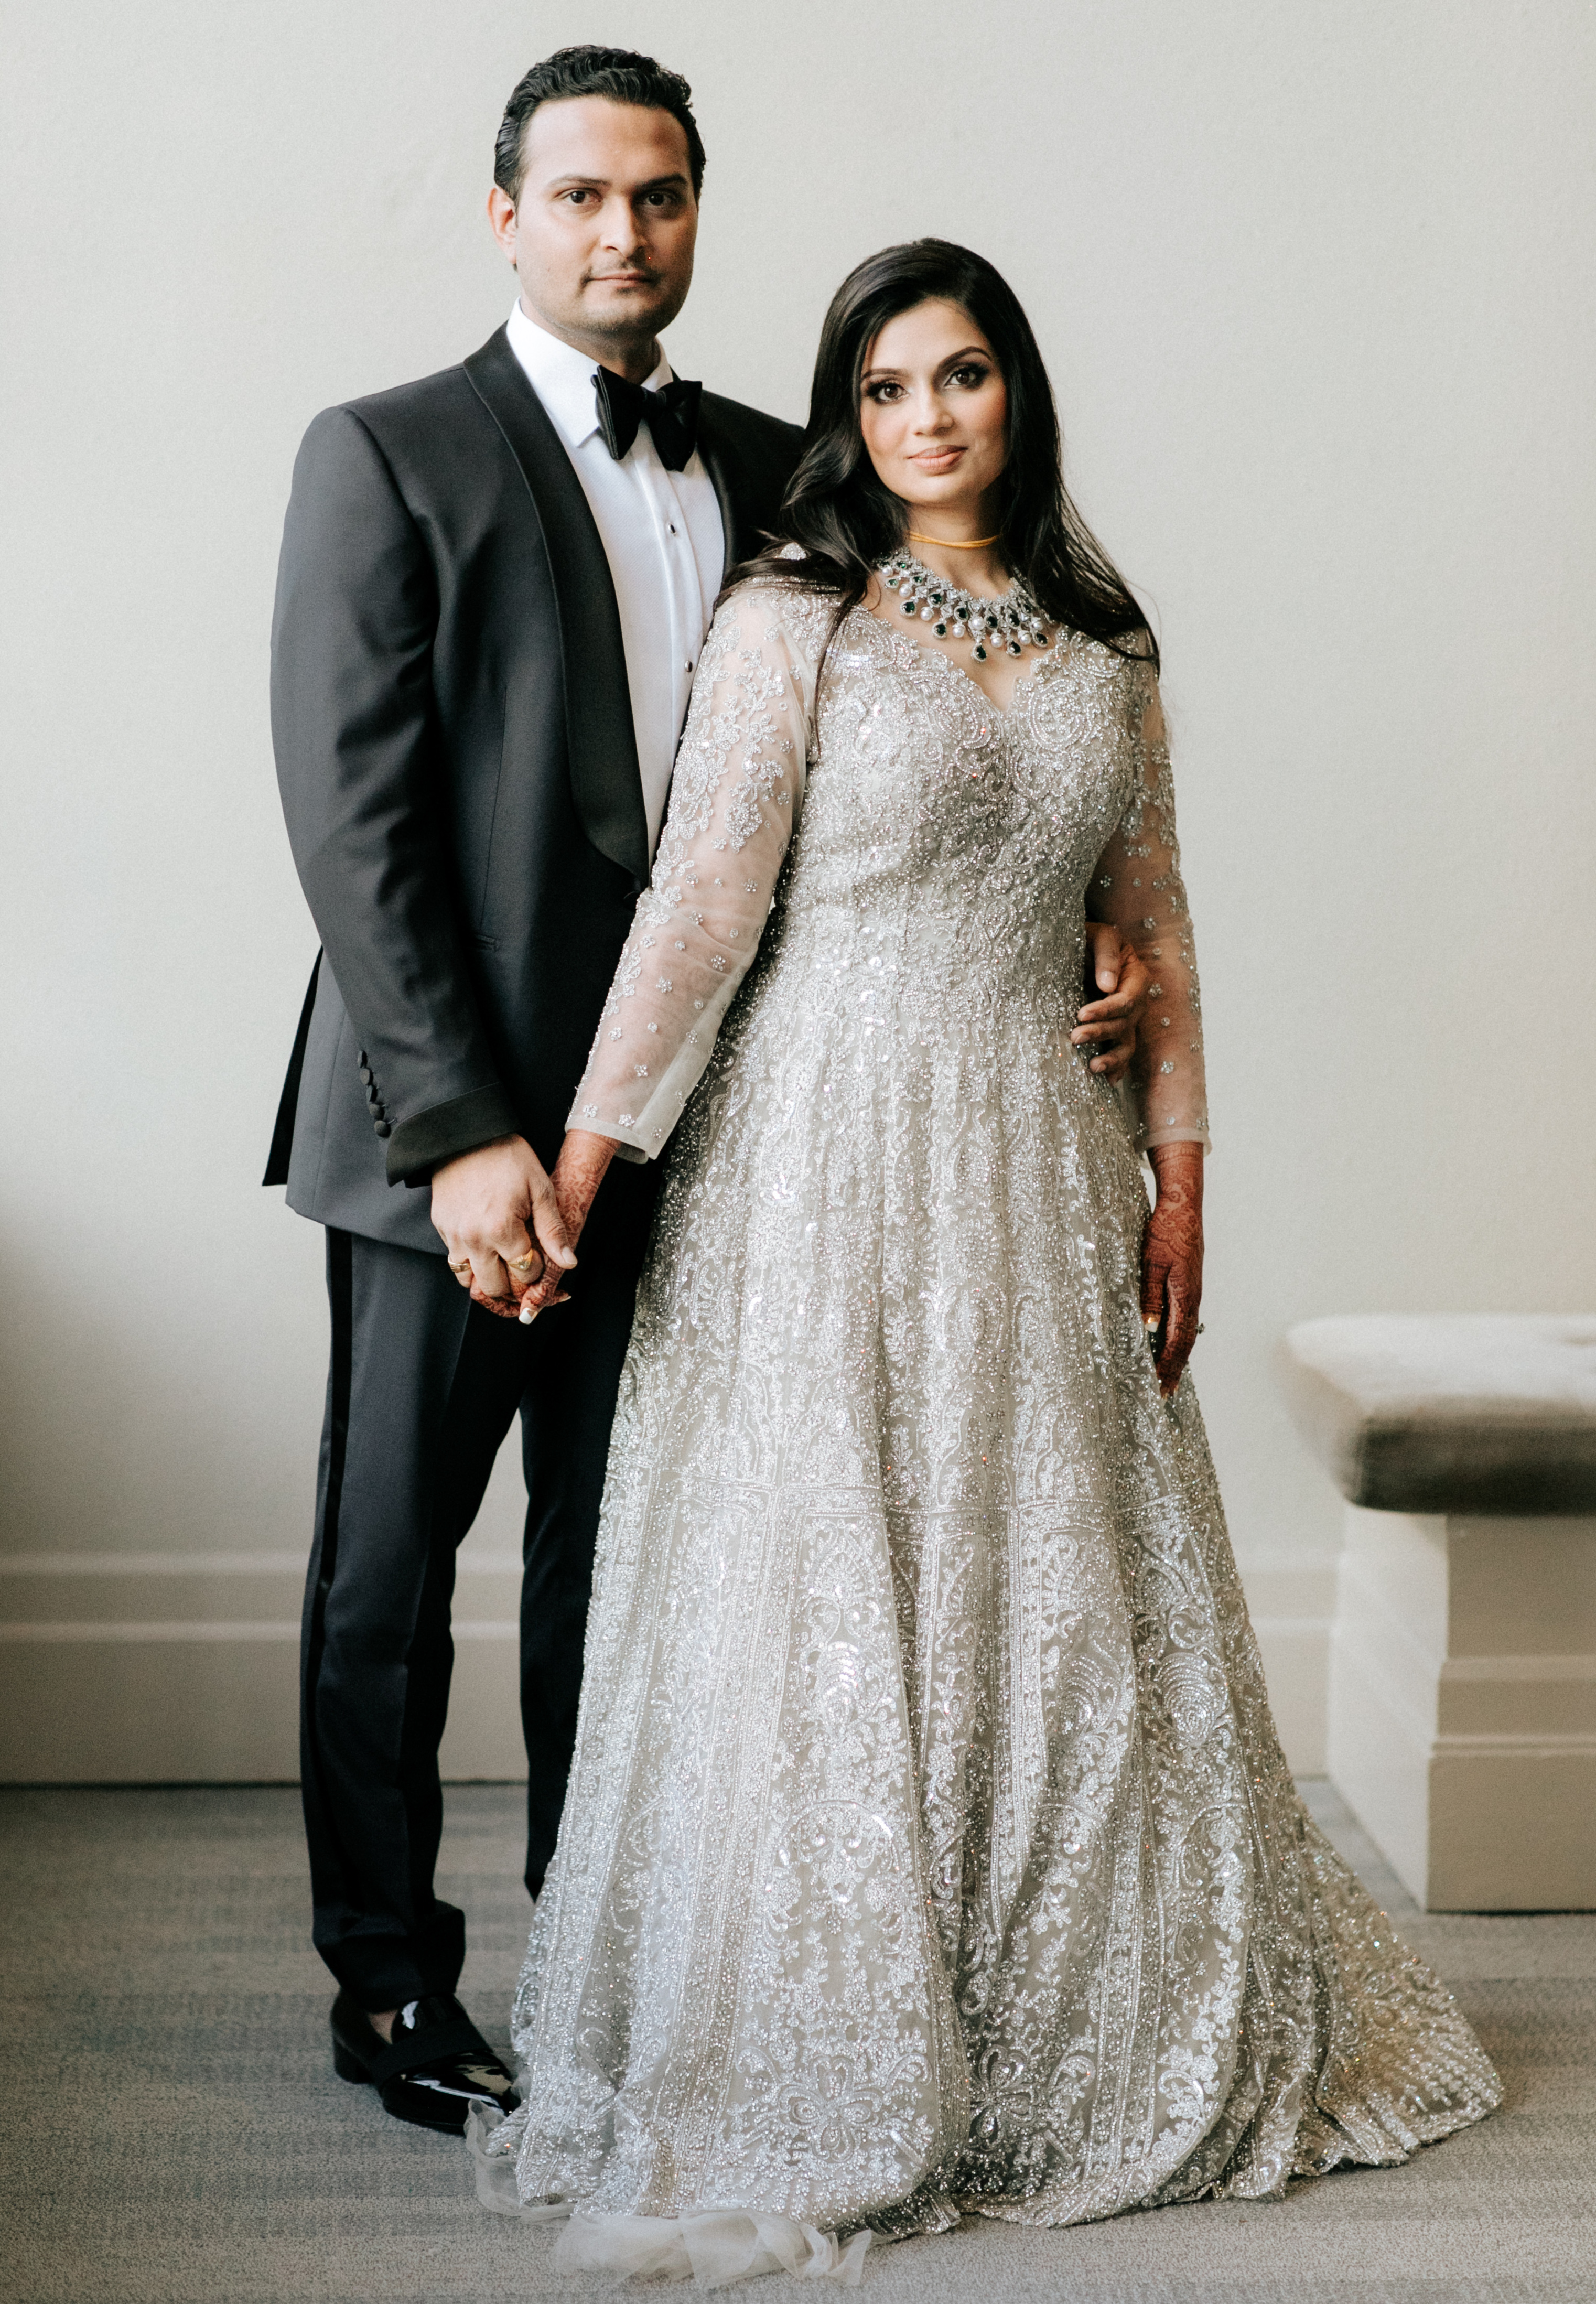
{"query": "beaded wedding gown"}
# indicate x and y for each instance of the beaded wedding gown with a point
(929, 1849)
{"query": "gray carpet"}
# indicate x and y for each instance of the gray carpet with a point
(176, 2134)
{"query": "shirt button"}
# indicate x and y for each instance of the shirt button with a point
(672, 527)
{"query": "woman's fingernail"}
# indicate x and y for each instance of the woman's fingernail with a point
(526, 1317)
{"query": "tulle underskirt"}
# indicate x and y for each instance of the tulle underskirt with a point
(713, 2247)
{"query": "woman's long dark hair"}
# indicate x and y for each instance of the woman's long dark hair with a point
(844, 520)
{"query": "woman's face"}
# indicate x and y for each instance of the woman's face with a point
(934, 410)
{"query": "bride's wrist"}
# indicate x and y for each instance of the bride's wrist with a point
(584, 1161)
(585, 1152)
(1178, 1171)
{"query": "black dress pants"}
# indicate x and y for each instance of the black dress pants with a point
(423, 1387)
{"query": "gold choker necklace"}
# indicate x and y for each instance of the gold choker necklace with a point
(975, 544)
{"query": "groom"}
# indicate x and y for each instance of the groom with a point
(495, 585)
(494, 588)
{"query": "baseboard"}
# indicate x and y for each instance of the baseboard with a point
(182, 1667)
(1292, 1600)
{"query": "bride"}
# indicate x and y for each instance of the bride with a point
(929, 1849)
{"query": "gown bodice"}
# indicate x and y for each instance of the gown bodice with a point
(950, 854)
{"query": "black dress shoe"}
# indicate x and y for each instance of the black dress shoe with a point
(436, 2062)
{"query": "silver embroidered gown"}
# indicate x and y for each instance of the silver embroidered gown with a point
(929, 1848)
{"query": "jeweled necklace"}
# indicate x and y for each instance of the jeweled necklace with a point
(1003, 624)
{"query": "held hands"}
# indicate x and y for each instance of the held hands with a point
(1109, 1026)
(499, 1220)
(578, 1172)
(1173, 1260)
(487, 1205)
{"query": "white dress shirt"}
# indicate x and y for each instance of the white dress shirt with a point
(662, 537)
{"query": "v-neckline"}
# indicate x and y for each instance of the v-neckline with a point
(901, 641)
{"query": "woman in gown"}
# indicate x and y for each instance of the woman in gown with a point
(929, 1849)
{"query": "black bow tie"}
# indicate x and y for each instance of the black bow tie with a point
(671, 415)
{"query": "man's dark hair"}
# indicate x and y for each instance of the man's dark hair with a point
(619, 73)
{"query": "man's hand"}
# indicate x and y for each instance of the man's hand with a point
(495, 1211)
(1109, 1026)
(578, 1172)
(1173, 1260)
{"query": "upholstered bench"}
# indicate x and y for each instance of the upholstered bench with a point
(1463, 1660)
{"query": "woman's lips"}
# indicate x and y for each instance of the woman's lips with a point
(937, 459)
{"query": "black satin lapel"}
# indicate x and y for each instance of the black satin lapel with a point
(605, 780)
(712, 447)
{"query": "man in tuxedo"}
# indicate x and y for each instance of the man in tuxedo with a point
(494, 588)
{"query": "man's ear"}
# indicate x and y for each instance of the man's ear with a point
(500, 217)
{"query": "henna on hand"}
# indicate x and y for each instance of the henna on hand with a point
(583, 1164)
(581, 1168)
(495, 1212)
(1172, 1258)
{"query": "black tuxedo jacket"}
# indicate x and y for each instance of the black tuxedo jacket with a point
(454, 747)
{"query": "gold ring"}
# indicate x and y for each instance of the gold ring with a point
(466, 1266)
(521, 1263)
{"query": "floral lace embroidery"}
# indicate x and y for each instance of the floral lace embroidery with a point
(929, 1847)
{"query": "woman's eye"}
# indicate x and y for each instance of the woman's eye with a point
(886, 390)
(970, 379)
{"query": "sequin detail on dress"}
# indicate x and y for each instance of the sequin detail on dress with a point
(929, 1847)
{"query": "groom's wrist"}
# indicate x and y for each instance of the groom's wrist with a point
(420, 1146)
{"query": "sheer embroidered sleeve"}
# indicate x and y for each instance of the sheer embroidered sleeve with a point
(1137, 886)
(735, 800)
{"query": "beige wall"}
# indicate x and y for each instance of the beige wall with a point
(1313, 281)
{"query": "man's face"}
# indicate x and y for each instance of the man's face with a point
(602, 236)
